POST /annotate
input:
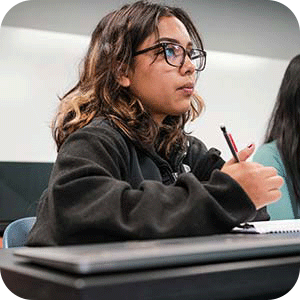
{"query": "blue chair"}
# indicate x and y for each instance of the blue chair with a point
(16, 233)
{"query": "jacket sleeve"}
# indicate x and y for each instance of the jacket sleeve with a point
(89, 201)
(202, 163)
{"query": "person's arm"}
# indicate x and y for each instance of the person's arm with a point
(202, 162)
(89, 200)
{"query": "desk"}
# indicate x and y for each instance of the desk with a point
(266, 278)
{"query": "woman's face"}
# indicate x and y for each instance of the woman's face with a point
(163, 89)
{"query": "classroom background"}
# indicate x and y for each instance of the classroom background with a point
(248, 42)
(249, 45)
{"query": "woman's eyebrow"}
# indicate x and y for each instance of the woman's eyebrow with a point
(167, 39)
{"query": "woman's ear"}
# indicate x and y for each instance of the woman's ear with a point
(123, 78)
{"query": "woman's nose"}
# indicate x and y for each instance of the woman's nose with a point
(187, 66)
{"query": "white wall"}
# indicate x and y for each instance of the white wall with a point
(37, 66)
(239, 91)
(254, 27)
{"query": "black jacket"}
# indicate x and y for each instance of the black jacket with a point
(103, 187)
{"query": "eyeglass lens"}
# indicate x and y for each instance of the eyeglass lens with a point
(175, 56)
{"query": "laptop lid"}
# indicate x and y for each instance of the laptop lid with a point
(98, 258)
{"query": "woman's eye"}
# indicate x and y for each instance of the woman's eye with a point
(170, 52)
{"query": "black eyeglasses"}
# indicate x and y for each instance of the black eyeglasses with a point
(175, 55)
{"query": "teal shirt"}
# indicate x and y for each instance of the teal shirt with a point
(268, 155)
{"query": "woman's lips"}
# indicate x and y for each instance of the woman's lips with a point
(187, 89)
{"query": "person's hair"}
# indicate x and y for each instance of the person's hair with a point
(98, 92)
(284, 123)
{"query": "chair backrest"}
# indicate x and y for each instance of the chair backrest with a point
(16, 233)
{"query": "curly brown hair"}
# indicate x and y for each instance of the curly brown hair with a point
(98, 92)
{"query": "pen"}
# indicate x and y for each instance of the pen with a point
(230, 143)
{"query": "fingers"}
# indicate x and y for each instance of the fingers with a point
(273, 195)
(246, 152)
(261, 183)
(243, 154)
(274, 183)
(268, 188)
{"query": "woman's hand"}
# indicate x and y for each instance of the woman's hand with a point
(261, 183)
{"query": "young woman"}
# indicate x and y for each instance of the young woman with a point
(281, 148)
(125, 168)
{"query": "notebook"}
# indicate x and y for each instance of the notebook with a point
(276, 226)
(136, 255)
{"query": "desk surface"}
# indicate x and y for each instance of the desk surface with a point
(255, 279)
